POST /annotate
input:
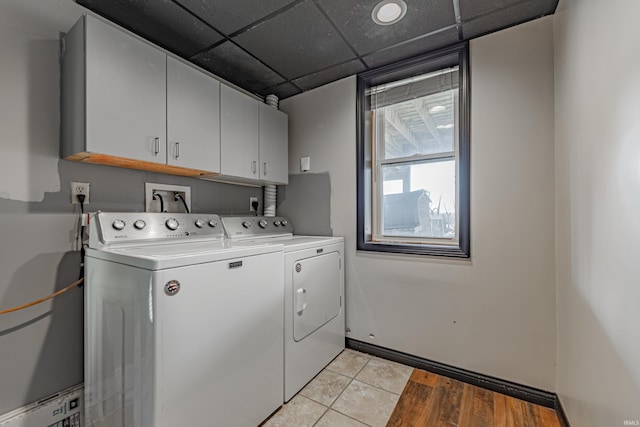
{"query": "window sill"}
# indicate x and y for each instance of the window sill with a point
(417, 249)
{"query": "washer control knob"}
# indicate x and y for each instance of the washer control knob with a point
(118, 224)
(199, 223)
(263, 224)
(246, 224)
(213, 223)
(276, 223)
(284, 222)
(139, 224)
(172, 224)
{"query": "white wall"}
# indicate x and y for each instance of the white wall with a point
(495, 313)
(29, 116)
(41, 348)
(598, 210)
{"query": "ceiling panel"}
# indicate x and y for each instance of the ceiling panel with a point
(353, 19)
(159, 21)
(297, 42)
(285, 46)
(516, 14)
(415, 47)
(472, 8)
(235, 65)
(310, 81)
(229, 16)
(283, 90)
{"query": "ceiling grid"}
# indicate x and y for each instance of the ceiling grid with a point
(290, 46)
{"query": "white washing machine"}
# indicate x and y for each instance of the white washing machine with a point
(180, 327)
(314, 322)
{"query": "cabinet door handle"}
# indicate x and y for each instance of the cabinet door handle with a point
(156, 146)
(254, 166)
(177, 150)
(265, 169)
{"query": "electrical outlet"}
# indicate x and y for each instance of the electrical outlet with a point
(79, 188)
(251, 200)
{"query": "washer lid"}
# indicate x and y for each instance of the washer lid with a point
(162, 256)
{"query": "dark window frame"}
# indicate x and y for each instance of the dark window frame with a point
(424, 63)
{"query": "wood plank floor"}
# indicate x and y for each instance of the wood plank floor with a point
(431, 400)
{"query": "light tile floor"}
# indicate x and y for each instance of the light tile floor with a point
(354, 390)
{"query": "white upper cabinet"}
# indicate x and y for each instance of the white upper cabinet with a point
(274, 145)
(193, 118)
(239, 133)
(125, 95)
(127, 103)
(254, 140)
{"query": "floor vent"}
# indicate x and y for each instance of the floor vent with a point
(63, 409)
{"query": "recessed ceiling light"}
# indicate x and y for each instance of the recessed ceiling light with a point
(447, 126)
(389, 12)
(437, 109)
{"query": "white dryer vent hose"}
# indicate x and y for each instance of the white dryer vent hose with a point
(270, 200)
(270, 189)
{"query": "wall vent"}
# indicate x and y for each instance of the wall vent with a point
(63, 409)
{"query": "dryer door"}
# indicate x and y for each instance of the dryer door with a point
(316, 293)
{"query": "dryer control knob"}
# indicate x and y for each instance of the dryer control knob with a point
(263, 224)
(118, 224)
(246, 224)
(276, 223)
(172, 224)
(199, 223)
(284, 222)
(139, 224)
(213, 223)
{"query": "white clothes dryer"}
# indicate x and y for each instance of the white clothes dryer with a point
(180, 327)
(314, 319)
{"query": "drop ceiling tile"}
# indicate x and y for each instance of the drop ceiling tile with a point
(229, 16)
(472, 8)
(297, 42)
(284, 90)
(330, 74)
(353, 18)
(422, 45)
(507, 17)
(159, 21)
(235, 65)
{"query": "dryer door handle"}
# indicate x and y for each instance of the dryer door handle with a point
(300, 304)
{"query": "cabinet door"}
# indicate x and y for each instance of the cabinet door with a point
(238, 134)
(274, 145)
(193, 118)
(125, 95)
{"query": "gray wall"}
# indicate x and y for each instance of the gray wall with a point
(494, 313)
(41, 348)
(306, 201)
(598, 205)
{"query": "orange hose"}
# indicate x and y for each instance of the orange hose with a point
(53, 295)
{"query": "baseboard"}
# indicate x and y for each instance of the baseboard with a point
(564, 421)
(519, 391)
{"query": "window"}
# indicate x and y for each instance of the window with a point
(413, 156)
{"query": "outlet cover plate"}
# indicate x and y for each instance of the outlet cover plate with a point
(79, 188)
